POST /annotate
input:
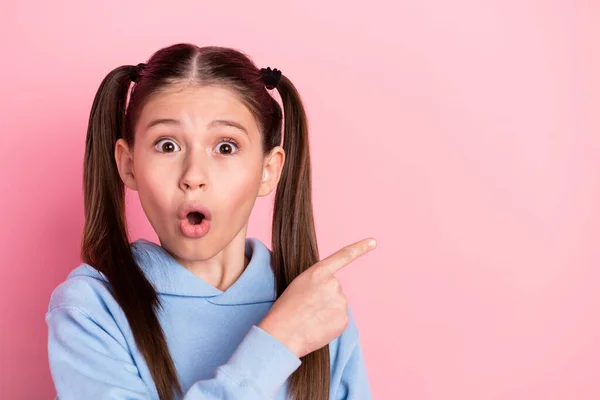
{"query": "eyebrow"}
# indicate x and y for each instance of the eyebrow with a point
(166, 121)
(217, 122)
(226, 122)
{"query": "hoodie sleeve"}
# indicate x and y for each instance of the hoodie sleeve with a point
(88, 361)
(350, 380)
(354, 383)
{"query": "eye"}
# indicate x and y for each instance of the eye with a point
(166, 146)
(227, 147)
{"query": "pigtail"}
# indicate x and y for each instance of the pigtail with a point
(105, 242)
(294, 239)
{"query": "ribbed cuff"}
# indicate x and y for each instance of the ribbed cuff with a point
(261, 362)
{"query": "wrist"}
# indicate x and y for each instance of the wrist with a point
(285, 338)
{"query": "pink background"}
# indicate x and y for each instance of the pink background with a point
(463, 135)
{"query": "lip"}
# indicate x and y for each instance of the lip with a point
(193, 206)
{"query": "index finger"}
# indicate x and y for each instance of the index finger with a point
(346, 255)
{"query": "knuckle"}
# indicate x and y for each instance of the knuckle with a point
(351, 253)
(334, 284)
(344, 255)
(343, 322)
(344, 302)
(318, 274)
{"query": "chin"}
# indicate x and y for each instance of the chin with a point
(196, 249)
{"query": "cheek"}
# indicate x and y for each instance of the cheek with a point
(153, 174)
(152, 184)
(237, 192)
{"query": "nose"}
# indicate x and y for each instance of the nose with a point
(194, 173)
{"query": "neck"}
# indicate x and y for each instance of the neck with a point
(224, 268)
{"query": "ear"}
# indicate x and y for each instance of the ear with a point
(272, 168)
(124, 160)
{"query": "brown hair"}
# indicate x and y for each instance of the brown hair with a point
(105, 242)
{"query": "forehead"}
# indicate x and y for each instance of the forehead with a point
(197, 105)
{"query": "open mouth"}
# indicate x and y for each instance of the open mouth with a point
(195, 217)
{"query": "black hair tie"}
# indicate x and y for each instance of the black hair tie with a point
(135, 72)
(271, 77)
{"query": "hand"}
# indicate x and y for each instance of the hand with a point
(312, 311)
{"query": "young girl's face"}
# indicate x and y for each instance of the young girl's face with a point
(198, 144)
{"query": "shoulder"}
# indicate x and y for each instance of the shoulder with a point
(85, 289)
(83, 304)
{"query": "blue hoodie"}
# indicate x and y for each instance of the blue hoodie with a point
(218, 349)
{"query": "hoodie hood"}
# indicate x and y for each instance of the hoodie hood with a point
(169, 277)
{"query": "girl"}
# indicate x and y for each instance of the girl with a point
(208, 313)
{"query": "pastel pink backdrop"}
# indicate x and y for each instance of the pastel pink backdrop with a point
(463, 135)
